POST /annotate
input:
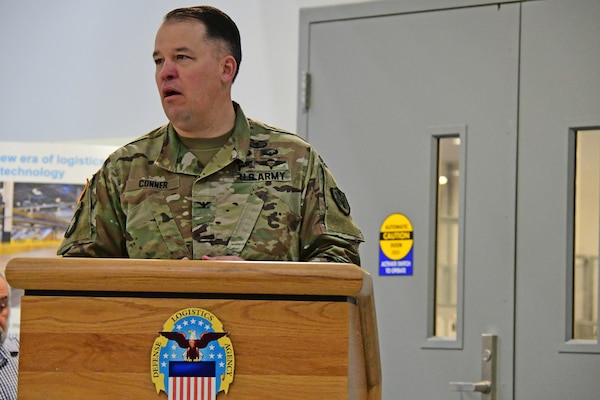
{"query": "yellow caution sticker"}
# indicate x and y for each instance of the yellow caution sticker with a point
(396, 245)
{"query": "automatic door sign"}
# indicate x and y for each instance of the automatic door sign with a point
(396, 246)
(192, 356)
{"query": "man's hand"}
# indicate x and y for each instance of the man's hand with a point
(223, 258)
(220, 258)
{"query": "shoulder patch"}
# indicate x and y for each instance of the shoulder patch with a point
(75, 217)
(341, 201)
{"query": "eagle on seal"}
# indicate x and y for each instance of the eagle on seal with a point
(193, 344)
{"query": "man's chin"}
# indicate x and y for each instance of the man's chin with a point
(178, 109)
(173, 110)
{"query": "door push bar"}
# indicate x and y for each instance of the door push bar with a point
(489, 357)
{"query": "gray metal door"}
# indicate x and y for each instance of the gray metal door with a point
(386, 87)
(390, 83)
(557, 355)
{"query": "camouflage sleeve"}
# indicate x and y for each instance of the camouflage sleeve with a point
(96, 229)
(328, 231)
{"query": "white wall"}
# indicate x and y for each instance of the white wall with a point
(73, 70)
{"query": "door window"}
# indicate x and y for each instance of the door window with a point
(585, 235)
(447, 239)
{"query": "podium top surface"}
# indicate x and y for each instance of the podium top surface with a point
(183, 276)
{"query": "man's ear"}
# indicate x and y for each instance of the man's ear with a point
(229, 68)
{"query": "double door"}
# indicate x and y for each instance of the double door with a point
(468, 118)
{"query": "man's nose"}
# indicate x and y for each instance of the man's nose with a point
(168, 70)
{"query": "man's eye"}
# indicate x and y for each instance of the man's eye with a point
(158, 61)
(3, 303)
(182, 57)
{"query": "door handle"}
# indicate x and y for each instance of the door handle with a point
(482, 387)
(487, 385)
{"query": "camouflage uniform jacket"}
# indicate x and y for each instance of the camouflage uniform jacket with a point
(265, 195)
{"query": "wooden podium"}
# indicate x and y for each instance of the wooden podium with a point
(299, 330)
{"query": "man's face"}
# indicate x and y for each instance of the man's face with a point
(189, 73)
(4, 308)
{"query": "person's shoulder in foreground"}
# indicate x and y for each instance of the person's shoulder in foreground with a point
(9, 368)
(9, 347)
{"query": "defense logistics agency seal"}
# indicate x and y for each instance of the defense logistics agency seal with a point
(192, 355)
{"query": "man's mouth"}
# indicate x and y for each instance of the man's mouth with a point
(169, 93)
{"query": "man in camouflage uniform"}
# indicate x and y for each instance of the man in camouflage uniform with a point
(212, 184)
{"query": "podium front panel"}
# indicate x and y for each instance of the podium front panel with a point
(99, 346)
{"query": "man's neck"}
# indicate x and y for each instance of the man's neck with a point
(221, 121)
